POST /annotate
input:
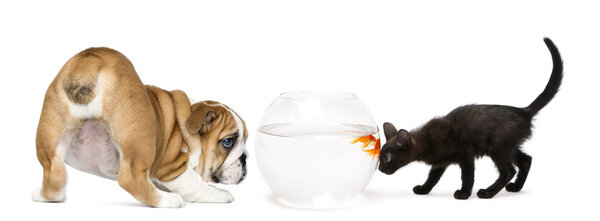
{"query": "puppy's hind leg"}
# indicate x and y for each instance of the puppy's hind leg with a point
(53, 137)
(138, 152)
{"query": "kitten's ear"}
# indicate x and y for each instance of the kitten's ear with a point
(389, 130)
(403, 139)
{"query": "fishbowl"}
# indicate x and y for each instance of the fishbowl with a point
(317, 150)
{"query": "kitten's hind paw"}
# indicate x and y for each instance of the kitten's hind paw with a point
(485, 194)
(513, 187)
(421, 190)
(461, 195)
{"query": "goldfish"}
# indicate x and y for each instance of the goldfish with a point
(366, 142)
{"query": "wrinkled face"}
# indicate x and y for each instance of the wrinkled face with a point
(223, 135)
(396, 152)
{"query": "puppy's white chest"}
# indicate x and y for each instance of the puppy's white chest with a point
(93, 150)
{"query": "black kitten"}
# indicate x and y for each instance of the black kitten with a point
(469, 132)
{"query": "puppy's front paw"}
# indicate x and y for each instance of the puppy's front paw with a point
(36, 196)
(421, 190)
(216, 195)
(213, 195)
(170, 200)
(462, 195)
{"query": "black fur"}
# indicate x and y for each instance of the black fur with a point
(469, 132)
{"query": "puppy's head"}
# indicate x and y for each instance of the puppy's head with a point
(223, 137)
(397, 151)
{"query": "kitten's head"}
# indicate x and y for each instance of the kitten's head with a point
(397, 151)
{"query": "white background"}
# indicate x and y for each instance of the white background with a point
(408, 62)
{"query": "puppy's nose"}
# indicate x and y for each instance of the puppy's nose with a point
(243, 160)
(215, 178)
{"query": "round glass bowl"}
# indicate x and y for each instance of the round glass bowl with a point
(317, 150)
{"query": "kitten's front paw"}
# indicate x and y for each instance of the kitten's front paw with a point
(462, 195)
(421, 190)
(513, 187)
(485, 194)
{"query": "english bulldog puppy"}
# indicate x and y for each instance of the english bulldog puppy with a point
(99, 118)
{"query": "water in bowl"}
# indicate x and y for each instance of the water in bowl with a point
(317, 165)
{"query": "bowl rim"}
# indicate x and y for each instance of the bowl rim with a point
(298, 95)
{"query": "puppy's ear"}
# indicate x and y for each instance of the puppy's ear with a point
(389, 130)
(201, 118)
(403, 139)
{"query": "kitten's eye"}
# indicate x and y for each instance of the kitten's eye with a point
(228, 143)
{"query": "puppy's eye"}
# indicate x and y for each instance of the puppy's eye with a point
(228, 143)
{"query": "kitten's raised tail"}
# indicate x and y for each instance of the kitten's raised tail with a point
(553, 84)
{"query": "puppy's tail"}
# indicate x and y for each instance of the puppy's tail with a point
(82, 74)
(553, 84)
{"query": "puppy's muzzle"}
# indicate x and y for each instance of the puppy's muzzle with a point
(234, 173)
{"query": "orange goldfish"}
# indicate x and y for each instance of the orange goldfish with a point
(366, 141)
